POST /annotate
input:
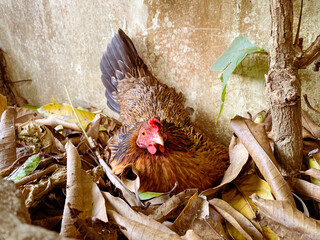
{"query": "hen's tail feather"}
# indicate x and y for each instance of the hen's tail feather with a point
(119, 61)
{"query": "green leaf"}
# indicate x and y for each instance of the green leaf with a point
(28, 167)
(230, 59)
(148, 195)
(32, 107)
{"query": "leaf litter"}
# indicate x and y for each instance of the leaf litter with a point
(70, 189)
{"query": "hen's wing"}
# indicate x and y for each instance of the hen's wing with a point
(132, 91)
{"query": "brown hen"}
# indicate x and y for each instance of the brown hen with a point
(157, 136)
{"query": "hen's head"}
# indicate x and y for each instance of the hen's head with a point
(151, 136)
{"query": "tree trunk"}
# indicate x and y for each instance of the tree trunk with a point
(284, 88)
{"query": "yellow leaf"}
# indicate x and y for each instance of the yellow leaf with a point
(238, 198)
(314, 164)
(65, 112)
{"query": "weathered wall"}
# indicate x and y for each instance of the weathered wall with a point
(57, 43)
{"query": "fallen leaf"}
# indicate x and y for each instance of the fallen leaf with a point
(238, 158)
(127, 194)
(7, 139)
(236, 219)
(255, 140)
(25, 114)
(314, 171)
(35, 136)
(314, 174)
(305, 188)
(197, 207)
(310, 125)
(122, 208)
(286, 215)
(54, 122)
(164, 210)
(36, 191)
(191, 235)
(206, 229)
(137, 231)
(82, 194)
(238, 198)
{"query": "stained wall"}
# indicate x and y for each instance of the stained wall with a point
(57, 43)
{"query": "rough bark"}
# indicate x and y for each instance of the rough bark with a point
(4, 81)
(284, 88)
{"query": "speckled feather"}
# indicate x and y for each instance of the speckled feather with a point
(190, 157)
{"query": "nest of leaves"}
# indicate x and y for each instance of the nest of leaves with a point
(70, 189)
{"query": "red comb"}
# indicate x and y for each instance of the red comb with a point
(153, 122)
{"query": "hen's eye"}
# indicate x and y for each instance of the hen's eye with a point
(143, 133)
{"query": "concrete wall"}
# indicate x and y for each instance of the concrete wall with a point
(57, 43)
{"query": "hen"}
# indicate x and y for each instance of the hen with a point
(157, 136)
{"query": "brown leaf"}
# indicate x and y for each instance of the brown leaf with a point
(312, 172)
(208, 229)
(286, 215)
(53, 122)
(191, 235)
(305, 188)
(310, 125)
(36, 191)
(236, 219)
(82, 194)
(197, 207)
(238, 158)
(161, 213)
(25, 114)
(137, 231)
(127, 194)
(254, 138)
(36, 136)
(120, 206)
(7, 139)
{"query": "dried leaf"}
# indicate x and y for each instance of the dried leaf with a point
(236, 219)
(310, 125)
(7, 139)
(285, 214)
(36, 191)
(161, 213)
(53, 122)
(120, 206)
(132, 183)
(26, 114)
(127, 194)
(137, 231)
(191, 235)
(239, 199)
(305, 188)
(82, 195)
(313, 173)
(207, 229)
(254, 138)
(35, 136)
(197, 207)
(238, 158)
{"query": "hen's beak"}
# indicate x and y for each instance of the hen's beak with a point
(158, 139)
